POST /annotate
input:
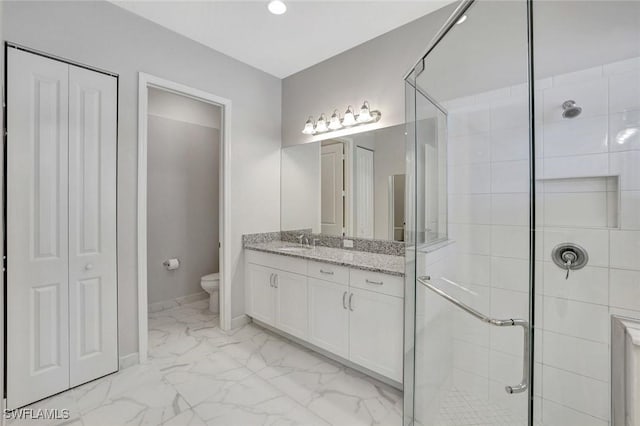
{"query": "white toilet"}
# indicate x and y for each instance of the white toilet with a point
(211, 284)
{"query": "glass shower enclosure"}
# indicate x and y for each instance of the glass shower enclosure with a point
(523, 217)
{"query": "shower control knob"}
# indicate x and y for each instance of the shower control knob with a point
(569, 257)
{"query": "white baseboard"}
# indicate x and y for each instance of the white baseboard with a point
(179, 301)
(129, 360)
(239, 321)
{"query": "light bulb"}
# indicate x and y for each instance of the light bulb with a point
(321, 125)
(365, 114)
(277, 7)
(349, 119)
(308, 127)
(334, 123)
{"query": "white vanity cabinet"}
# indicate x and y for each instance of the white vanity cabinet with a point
(351, 313)
(260, 293)
(291, 303)
(278, 298)
(329, 316)
(375, 332)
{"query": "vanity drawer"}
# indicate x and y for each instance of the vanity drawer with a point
(380, 283)
(276, 261)
(328, 272)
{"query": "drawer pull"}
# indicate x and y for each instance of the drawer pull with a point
(344, 300)
(368, 281)
(322, 271)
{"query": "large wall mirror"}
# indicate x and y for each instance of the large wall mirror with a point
(352, 186)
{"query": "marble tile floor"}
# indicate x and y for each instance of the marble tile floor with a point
(200, 375)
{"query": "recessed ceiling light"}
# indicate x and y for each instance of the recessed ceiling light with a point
(277, 7)
(461, 20)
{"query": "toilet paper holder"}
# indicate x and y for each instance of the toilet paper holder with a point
(171, 264)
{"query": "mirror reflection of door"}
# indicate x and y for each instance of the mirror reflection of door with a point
(396, 207)
(332, 188)
(364, 193)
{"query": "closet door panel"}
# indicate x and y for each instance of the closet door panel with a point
(92, 225)
(37, 228)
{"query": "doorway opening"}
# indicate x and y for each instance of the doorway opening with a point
(182, 201)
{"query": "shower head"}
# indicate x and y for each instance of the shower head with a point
(571, 110)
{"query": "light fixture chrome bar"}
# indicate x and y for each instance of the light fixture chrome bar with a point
(448, 24)
(524, 383)
(366, 116)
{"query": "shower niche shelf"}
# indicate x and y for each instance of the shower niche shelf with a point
(582, 202)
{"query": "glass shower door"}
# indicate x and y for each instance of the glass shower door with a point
(468, 295)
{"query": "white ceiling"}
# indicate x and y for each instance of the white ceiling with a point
(310, 31)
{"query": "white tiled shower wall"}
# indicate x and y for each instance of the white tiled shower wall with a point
(588, 192)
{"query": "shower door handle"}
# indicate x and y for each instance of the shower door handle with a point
(524, 383)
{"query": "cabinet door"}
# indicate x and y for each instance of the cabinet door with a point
(93, 286)
(292, 311)
(37, 228)
(329, 316)
(260, 298)
(375, 330)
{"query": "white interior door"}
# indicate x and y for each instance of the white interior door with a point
(332, 189)
(93, 333)
(37, 231)
(364, 193)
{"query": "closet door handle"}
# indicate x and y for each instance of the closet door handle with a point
(350, 299)
(344, 300)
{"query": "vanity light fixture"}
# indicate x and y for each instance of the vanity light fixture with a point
(365, 113)
(335, 123)
(277, 7)
(321, 125)
(350, 119)
(309, 127)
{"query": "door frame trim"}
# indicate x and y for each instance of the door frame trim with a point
(146, 81)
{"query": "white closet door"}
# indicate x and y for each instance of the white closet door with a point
(37, 234)
(364, 193)
(92, 225)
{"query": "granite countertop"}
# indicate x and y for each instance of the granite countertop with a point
(374, 262)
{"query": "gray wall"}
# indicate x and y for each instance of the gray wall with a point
(182, 206)
(372, 71)
(105, 36)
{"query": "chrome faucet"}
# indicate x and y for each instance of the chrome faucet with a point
(303, 240)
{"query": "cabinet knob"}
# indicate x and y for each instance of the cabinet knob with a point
(88, 266)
